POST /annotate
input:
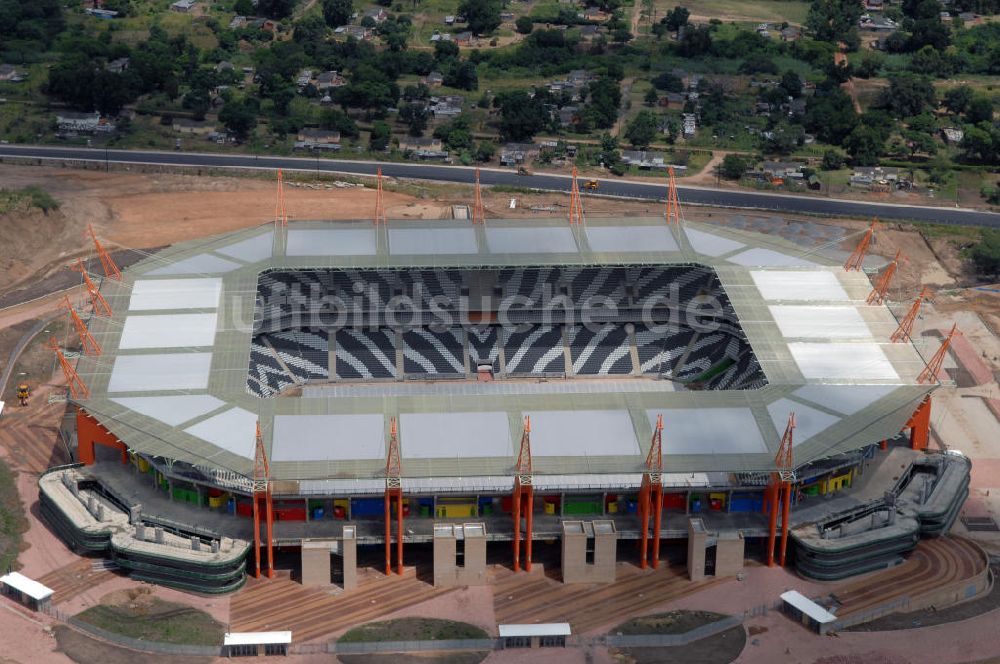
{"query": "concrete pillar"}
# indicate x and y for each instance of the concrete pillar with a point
(349, 552)
(448, 569)
(589, 551)
(316, 562)
(697, 538)
(729, 554)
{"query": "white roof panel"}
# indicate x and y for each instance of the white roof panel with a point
(328, 437)
(454, 435)
(709, 431)
(846, 399)
(153, 294)
(630, 238)
(582, 433)
(820, 322)
(537, 240)
(168, 331)
(808, 607)
(808, 421)
(768, 257)
(711, 244)
(345, 241)
(429, 241)
(172, 410)
(536, 629)
(234, 430)
(255, 638)
(805, 285)
(167, 371)
(197, 264)
(850, 361)
(252, 249)
(29, 587)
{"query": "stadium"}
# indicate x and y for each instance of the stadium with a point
(369, 385)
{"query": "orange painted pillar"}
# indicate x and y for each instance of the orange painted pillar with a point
(388, 535)
(516, 507)
(884, 445)
(920, 426)
(643, 522)
(785, 508)
(529, 499)
(256, 535)
(270, 536)
(399, 533)
(772, 523)
(657, 517)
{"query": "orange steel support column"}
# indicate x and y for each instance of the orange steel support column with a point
(478, 211)
(87, 341)
(101, 307)
(393, 489)
(784, 463)
(877, 296)
(786, 504)
(111, 270)
(920, 425)
(523, 498)
(933, 368)
(280, 214)
(673, 209)
(575, 204)
(772, 520)
(905, 328)
(77, 388)
(262, 492)
(855, 260)
(651, 495)
(380, 217)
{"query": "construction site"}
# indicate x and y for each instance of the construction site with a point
(594, 410)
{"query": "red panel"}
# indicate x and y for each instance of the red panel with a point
(244, 509)
(290, 514)
(676, 501)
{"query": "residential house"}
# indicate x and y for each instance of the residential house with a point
(378, 14)
(646, 159)
(446, 106)
(871, 176)
(796, 107)
(423, 148)
(105, 14)
(593, 14)
(304, 78)
(359, 32)
(877, 23)
(689, 125)
(589, 33)
(968, 18)
(85, 122)
(580, 77)
(874, 5)
(237, 22)
(673, 100)
(433, 79)
(791, 33)
(225, 65)
(330, 79)
(310, 138)
(782, 170)
(9, 73)
(193, 127)
(763, 31)
(463, 37)
(262, 24)
(513, 154)
(449, 19)
(183, 6)
(568, 116)
(952, 134)
(507, 17)
(441, 36)
(118, 65)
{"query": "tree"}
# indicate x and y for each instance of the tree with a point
(830, 115)
(830, 20)
(865, 145)
(668, 81)
(275, 8)
(651, 97)
(521, 116)
(239, 117)
(977, 143)
(791, 84)
(832, 161)
(378, 141)
(957, 100)
(784, 138)
(908, 95)
(334, 118)
(445, 50)
(696, 40)
(676, 18)
(482, 16)
(980, 109)
(733, 166)
(462, 75)
(243, 7)
(337, 12)
(643, 128)
(524, 25)
(415, 116)
(485, 151)
(985, 254)
(605, 100)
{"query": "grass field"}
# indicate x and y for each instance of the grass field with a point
(12, 521)
(156, 620)
(413, 629)
(740, 11)
(672, 622)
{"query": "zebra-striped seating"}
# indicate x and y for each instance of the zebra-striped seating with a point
(536, 350)
(429, 352)
(265, 377)
(305, 353)
(366, 354)
(484, 346)
(600, 351)
(659, 350)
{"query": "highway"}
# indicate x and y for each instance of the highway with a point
(654, 190)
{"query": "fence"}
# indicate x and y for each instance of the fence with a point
(661, 640)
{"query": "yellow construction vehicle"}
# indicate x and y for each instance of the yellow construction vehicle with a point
(23, 392)
(591, 185)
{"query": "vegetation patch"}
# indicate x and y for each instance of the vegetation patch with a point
(413, 629)
(12, 521)
(138, 615)
(13, 200)
(672, 622)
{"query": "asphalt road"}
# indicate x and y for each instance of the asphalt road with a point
(787, 203)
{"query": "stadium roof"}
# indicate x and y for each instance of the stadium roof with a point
(172, 379)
